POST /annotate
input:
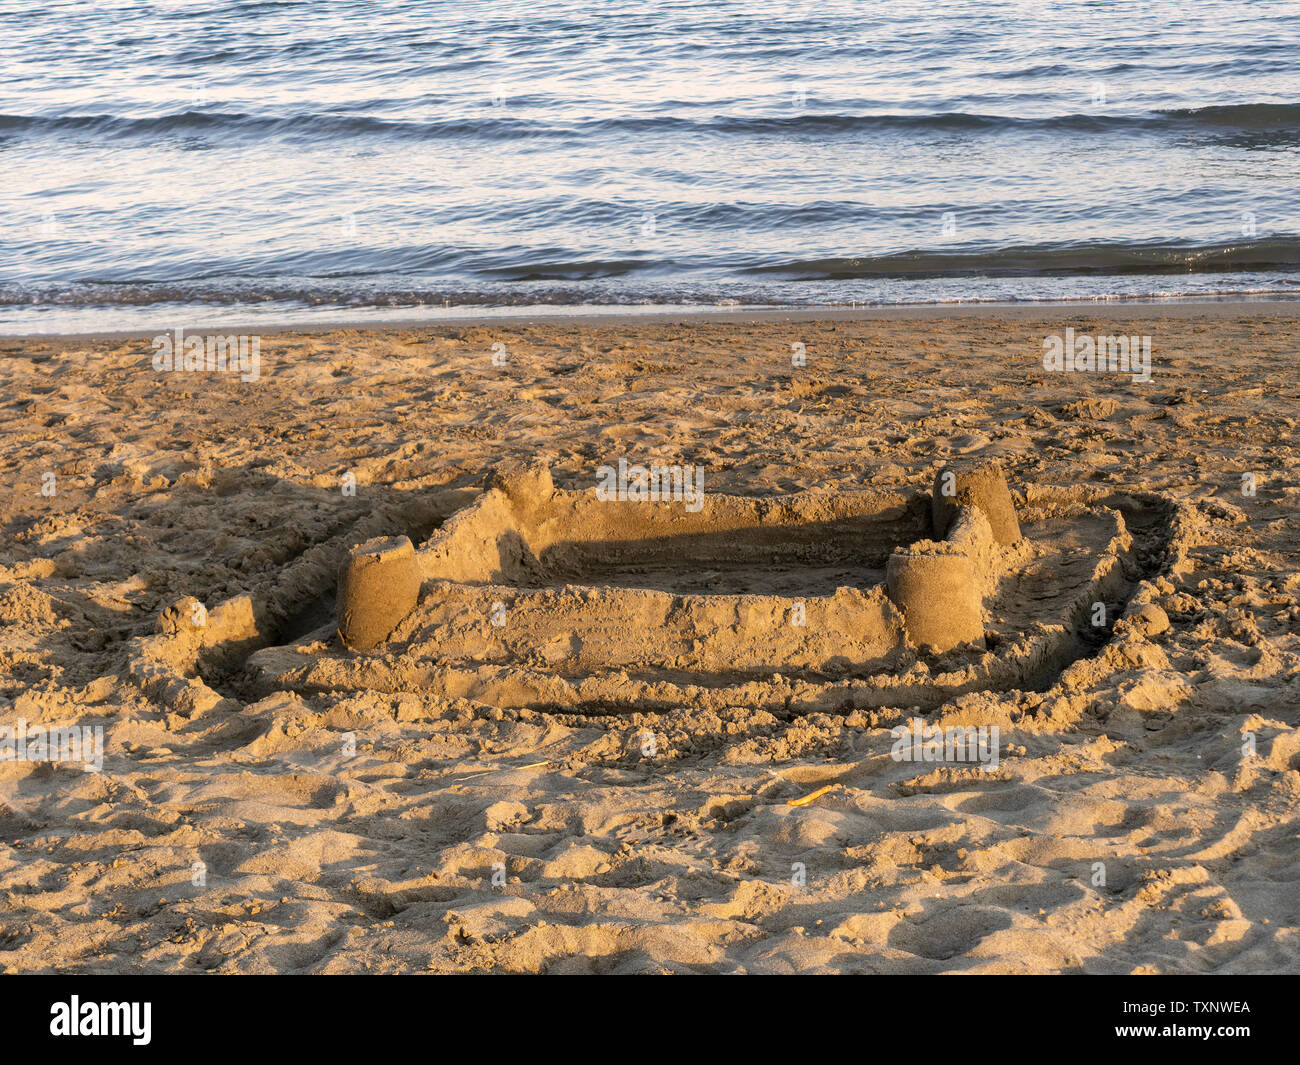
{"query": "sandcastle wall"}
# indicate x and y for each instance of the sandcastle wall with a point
(523, 531)
(575, 630)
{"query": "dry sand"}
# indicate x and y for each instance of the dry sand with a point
(356, 830)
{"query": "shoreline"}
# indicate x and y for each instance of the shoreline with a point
(584, 317)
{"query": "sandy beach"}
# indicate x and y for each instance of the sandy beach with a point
(1142, 816)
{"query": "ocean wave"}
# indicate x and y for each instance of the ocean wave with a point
(1240, 116)
(1272, 265)
(1083, 258)
(1256, 116)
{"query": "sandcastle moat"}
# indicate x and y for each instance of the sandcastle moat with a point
(535, 596)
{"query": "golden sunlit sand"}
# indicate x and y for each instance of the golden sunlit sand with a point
(599, 742)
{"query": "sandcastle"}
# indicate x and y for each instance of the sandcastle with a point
(524, 533)
(533, 596)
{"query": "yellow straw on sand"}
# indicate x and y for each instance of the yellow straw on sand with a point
(815, 795)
